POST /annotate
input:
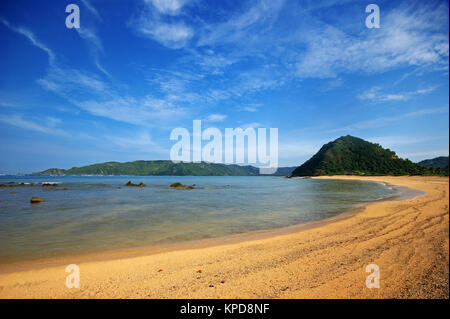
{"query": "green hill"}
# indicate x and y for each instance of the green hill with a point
(441, 161)
(349, 155)
(162, 168)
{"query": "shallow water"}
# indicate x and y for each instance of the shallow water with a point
(94, 214)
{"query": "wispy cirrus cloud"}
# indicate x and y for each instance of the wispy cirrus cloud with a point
(172, 7)
(47, 125)
(88, 92)
(31, 37)
(91, 9)
(376, 94)
(411, 35)
(89, 34)
(384, 121)
(216, 118)
(155, 22)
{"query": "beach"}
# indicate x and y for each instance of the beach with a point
(408, 240)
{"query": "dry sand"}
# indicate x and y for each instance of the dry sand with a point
(408, 240)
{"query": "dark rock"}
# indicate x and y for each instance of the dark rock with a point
(181, 186)
(36, 200)
(129, 183)
(50, 184)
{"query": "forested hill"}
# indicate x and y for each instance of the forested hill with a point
(441, 161)
(162, 167)
(349, 155)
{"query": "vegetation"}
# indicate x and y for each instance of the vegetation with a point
(440, 164)
(162, 168)
(350, 155)
(441, 161)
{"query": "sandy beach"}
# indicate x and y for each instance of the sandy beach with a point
(408, 240)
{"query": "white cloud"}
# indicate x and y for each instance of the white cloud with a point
(408, 37)
(383, 121)
(251, 107)
(71, 83)
(171, 7)
(91, 36)
(96, 46)
(30, 36)
(422, 155)
(375, 94)
(253, 125)
(242, 26)
(171, 35)
(139, 111)
(216, 118)
(91, 9)
(153, 23)
(138, 141)
(26, 124)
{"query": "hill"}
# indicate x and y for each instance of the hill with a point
(349, 155)
(162, 167)
(441, 161)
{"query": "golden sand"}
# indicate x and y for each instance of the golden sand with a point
(408, 240)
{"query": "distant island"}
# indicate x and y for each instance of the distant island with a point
(349, 155)
(163, 168)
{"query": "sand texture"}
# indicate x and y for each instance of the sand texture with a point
(408, 240)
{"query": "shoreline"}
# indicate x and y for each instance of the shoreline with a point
(264, 256)
(147, 250)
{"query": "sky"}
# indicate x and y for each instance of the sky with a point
(114, 89)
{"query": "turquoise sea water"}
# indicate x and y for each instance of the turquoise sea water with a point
(94, 214)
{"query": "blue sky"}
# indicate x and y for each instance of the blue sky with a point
(115, 88)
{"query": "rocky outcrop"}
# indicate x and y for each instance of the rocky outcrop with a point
(36, 200)
(130, 184)
(181, 186)
(50, 184)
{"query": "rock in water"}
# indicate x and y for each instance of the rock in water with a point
(129, 183)
(35, 200)
(181, 186)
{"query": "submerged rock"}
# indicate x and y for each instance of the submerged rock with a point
(129, 183)
(35, 200)
(12, 184)
(181, 186)
(50, 184)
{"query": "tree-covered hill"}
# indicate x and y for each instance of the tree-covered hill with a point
(351, 155)
(162, 167)
(441, 161)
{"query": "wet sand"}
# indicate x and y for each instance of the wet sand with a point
(408, 240)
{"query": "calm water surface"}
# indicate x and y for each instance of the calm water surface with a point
(94, 214)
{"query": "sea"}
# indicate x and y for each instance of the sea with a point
(89, 214)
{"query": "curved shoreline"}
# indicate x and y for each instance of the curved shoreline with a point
(408, 239)
(120, 253)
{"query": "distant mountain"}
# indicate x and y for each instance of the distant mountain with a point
(349, 155)
(441, 161)
(162, 167)
(285, 171)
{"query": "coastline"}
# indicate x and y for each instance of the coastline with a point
(267, 264)
(120, 253)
